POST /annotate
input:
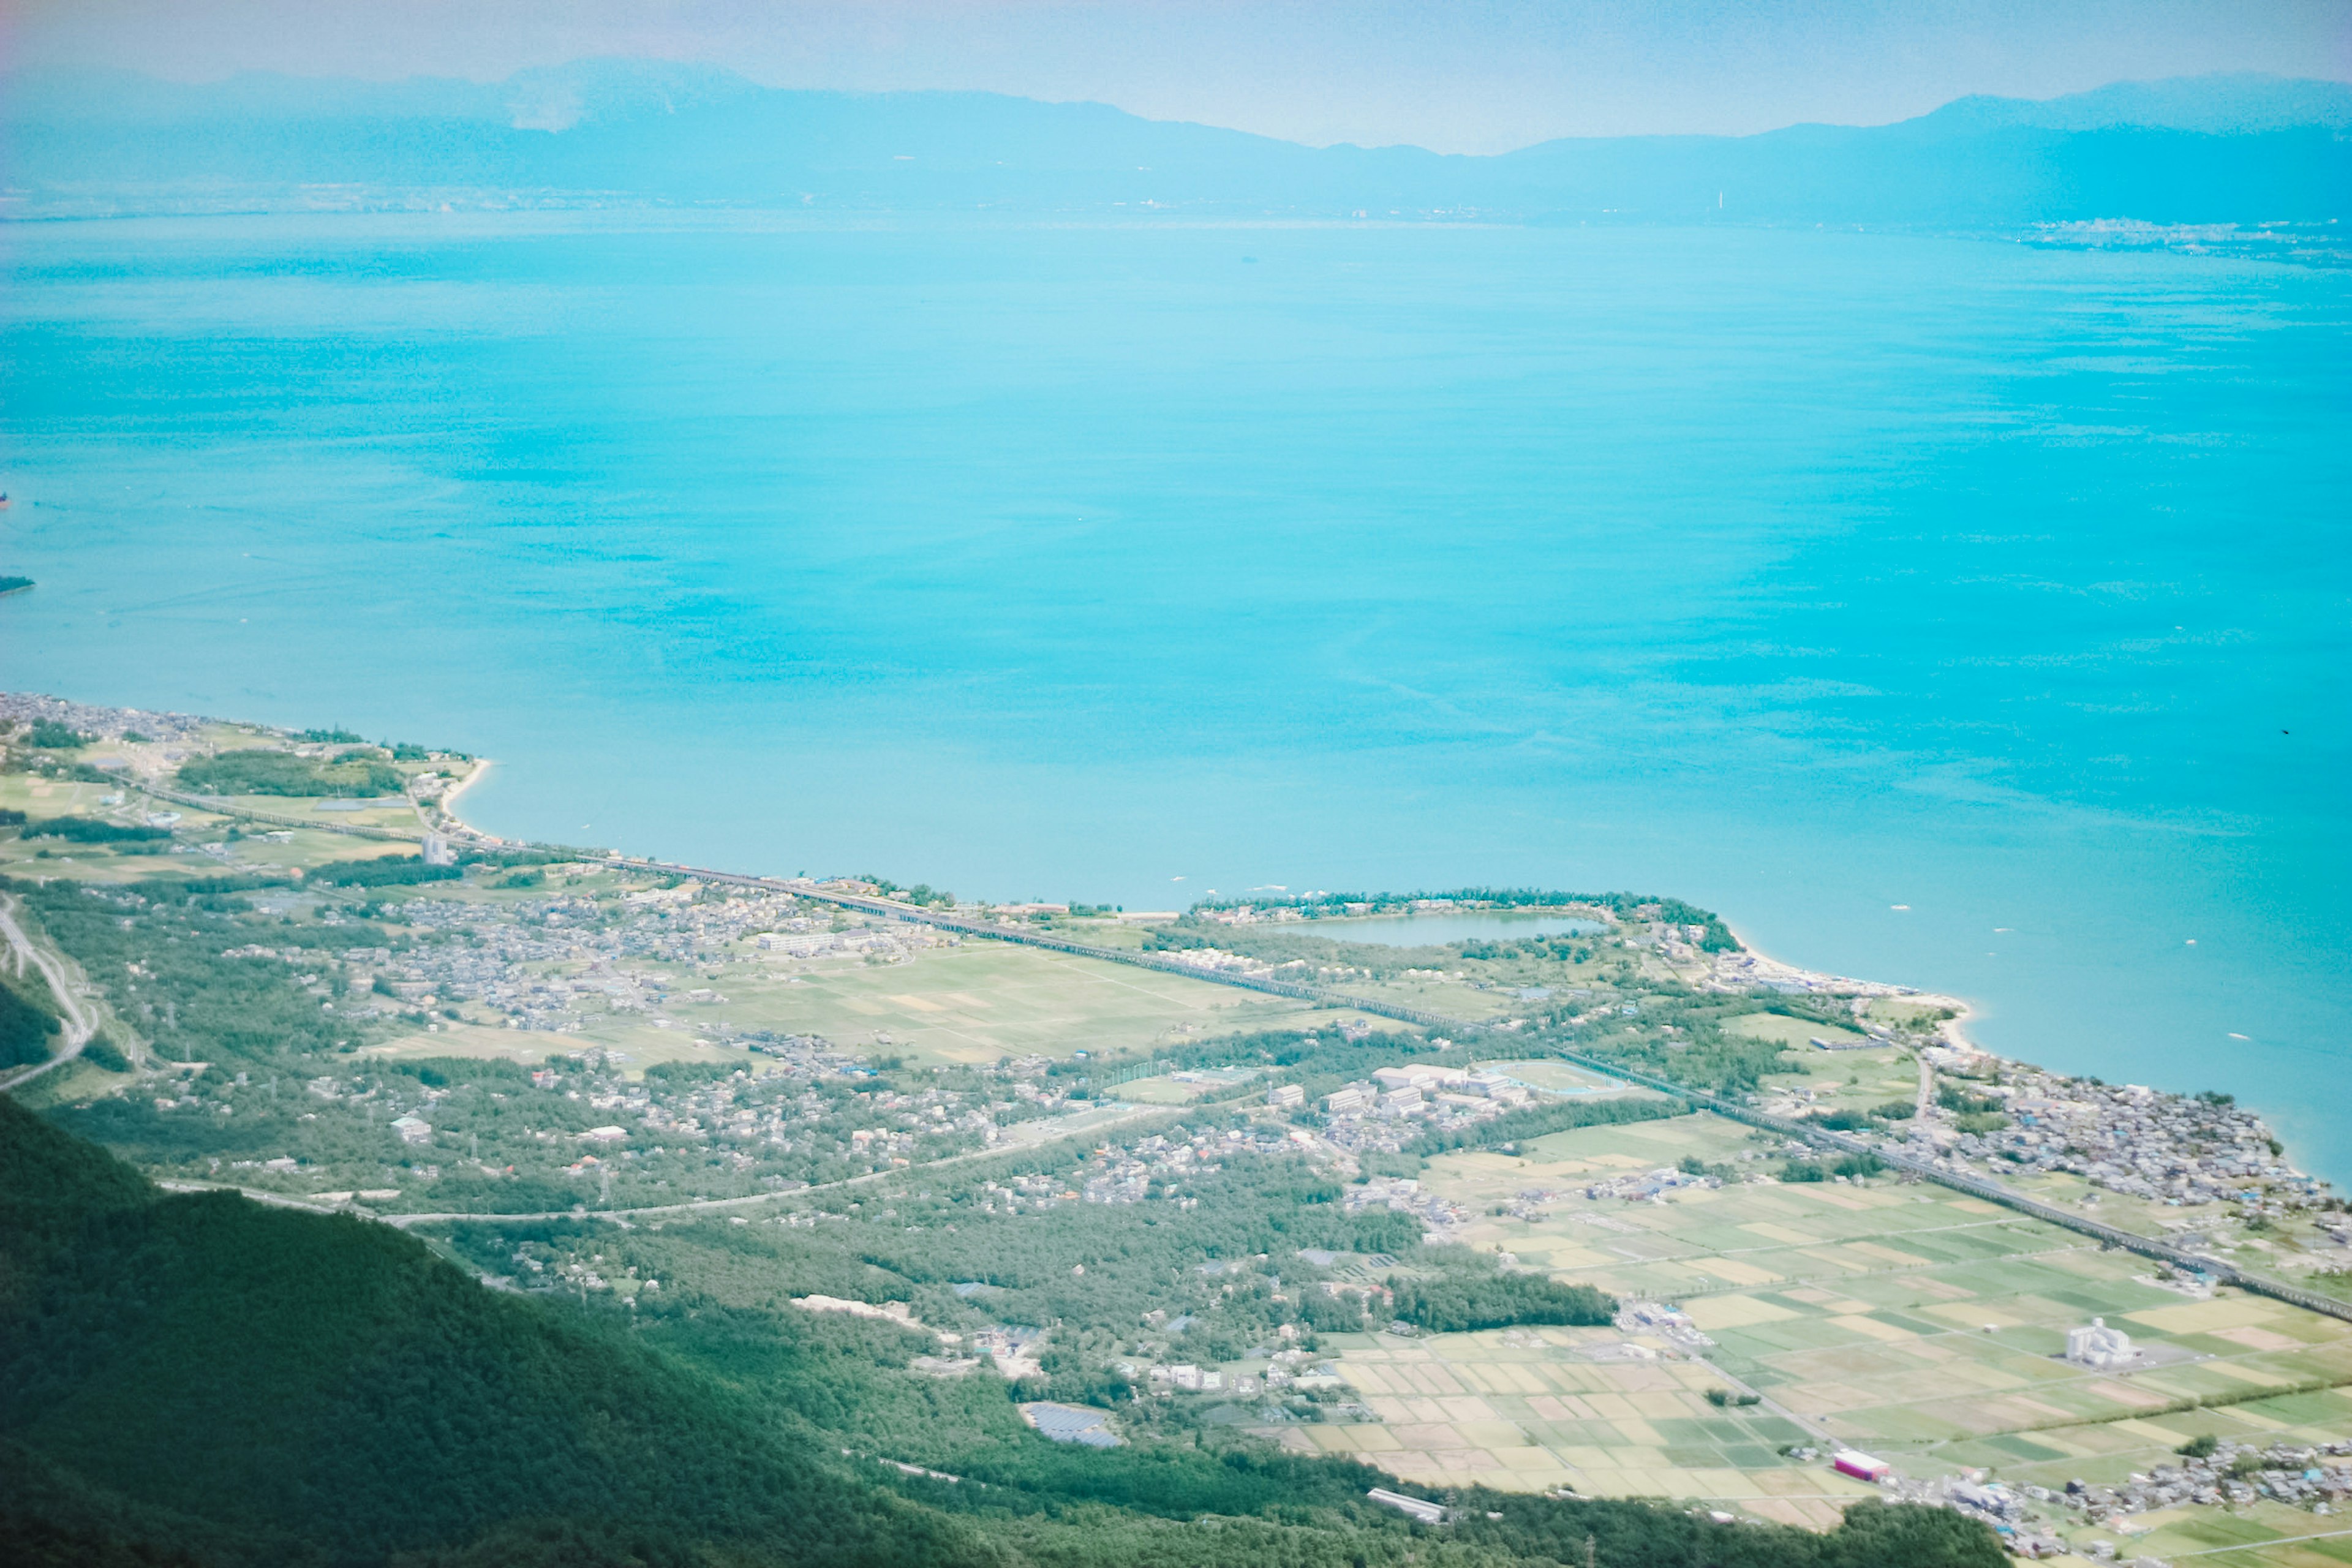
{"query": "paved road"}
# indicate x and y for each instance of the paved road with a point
(258, 1194)
(78, 1022)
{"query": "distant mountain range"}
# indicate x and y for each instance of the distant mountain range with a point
(2204, 150)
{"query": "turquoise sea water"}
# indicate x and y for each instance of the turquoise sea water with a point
(1949, 612)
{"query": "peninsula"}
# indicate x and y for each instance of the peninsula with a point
(1187, 1214)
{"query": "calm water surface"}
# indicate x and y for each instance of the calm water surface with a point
(1946, 611)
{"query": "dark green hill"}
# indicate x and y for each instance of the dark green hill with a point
(196, 1381)
(290, 1378)
(26, 1030)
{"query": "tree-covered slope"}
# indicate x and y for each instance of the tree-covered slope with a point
(296, 1377)
(196, 1381)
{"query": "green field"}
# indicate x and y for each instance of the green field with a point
(1794, 1032)
(976, 1003)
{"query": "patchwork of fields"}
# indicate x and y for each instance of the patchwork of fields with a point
(1919, 1324)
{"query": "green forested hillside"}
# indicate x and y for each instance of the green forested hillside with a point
(294, 1377)
(199, 1380)
(28, 1030)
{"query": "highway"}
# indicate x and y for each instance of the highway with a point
(77, 1021)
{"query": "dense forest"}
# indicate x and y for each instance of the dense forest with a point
(197, 1380)
(28, 1029)
(50, 735)
(383, 872)
(1471, 1297)
(93, 830)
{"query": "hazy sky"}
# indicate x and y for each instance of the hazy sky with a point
(1468, 76)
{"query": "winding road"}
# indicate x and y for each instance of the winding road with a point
(79, 1023)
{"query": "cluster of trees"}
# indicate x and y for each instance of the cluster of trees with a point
(1467, 1298)
(100, 1051)
(1877, 1115)
(1822, 1170)
(93, 830)
(26, 1028)
(384, 872)
(921, 893)
(1318, 1062)
(1972, 1112)
(1551, 1116)
(1681, 1035)
(262, 772)
(50, 735)
(1536, 949)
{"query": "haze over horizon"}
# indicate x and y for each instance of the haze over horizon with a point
(1374, 72)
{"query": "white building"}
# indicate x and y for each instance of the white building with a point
(1284, 1097)
(1419, 1508)
(412, 1129)
(797, 944)
(1418, 1076)
(2100, 1346)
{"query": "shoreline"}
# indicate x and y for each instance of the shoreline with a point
(447, 804)
(1749, 968)
(1950, 1034)
(1954, 1029)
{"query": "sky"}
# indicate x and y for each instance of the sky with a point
(1472, 76)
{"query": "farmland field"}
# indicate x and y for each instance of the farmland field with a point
(1915, 1322)
(984, 1000)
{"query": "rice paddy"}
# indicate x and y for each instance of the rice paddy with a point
(1915, 1322)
